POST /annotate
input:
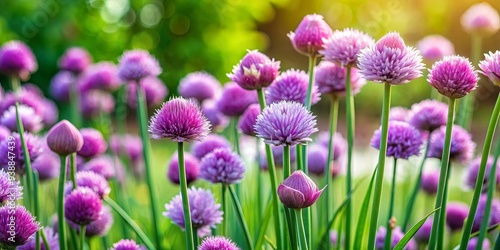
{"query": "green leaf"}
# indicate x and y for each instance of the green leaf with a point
(263, 226)
(413, 230)
(360, 228)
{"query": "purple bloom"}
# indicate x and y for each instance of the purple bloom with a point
(403, 140)
(430, 181)
(64, 138)
(222, 166)
(137, 64)
(93, 181)
(481, 19)
(32, 122)
(52, 239)
(82, 206)
(4, 133)
(424, 233)
(24, 97)
(60, 85)
(397, 235)
(453, 77)
(94, 102)
(462, 146)
(75, 59)
(490, 67)
(34, 150)
(199, 85)
(205, 213)
(428, 115)
(255, 71)
(217, 243)
(191, 164)
(330, 79)
(94, 143)
(24, 226)
(103, 165)
(285, 123)
(399, 114)
(435, 47)
(127, 245)
(456, 213)
(473, 169)
(47, 165)
(390, 61)
(316, 159)
(209, 144)
(180, 120)
(494, 213)
(102, 75)
(154, 91)
(291, 85)
(234, 100)
(248, 119)
(339, 144)
(298, 191)
(334, 237)
(213, 115)
(130, 146)
(10, 189)
(17, 59)
(51, 114)
(472, 244)
(99, 227)
(309, 37)
(344, 46)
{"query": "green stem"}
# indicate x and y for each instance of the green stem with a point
(290, 226)
(234, 125)
(130, 222)
(60, 205)
(299, 161)
(37, 208)
(82, 237)
(76, 118)
(146, 152)
(184, 194)
(442, 220)
(241, 219)
(302, 233)
(224, 210)
(44, 239)
(286, 161)
(381, 165)
(435, 231)
(72, 169)
(497, 242)
(289, 216)
(388, 236)
(312, 64)
(350, 150)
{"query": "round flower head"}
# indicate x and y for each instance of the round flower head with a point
(4, 133)
(248, 119)
(180, 120)
(213, 115)
(428, 115)
(430, 181)
(137, 64)
(75, 59)
(472, 244)
(191, 164)
(205, 213)
(390, 61)
(490, 67)
(343, 46)
(99, 227)
(285, 123)
(64, 138)
(46, 165)
(456, 213)
(10, 189)
(103, 165)
(93, 181)
(128, 144)
(23, 97)
(316, 159)
(399, 114)
(435, 47)
(222, 166)
(481, 19)
(473, 169)
(255, 71)
(61, 84)
(330, 79)
(424, 233)
(403, 140)
(494, 213)
(453, 77)
(209, 144)
(199, 85)
(17, 59)
(308, 38)
(52, 240)
(23, 225)
(462, 146)
(298, 191)
(95, 102)
(127, 245)
(32, 122)
(234, 100)
(397, 235)
(82, 206)
(102, 75)
(93, 143)
(291, 85)
(339, 144)
(34, 150)
(217, 243)
(154, 91)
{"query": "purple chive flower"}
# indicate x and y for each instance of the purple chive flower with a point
(60, 85)
(291, 85)
(64, 138)
(472, 244)
(234, 100)
(334, 237)
(82, 206)
(278, 156)
(93, 181)
(481, 19)
(424, 233)
(473, 169)
(255, 71)
(390, 61)
(209, 144)
(403, 140)
(222, 166)
(453, 77)
(494, 213)
(52, 239)
(309, 37)
(330, 79)
(22, 228)
(32, 121)
(316, 159)
(137, 64)
(191, 164)
(397, 235)
(154, 91)
(213, 115)
(344, 46)
(462, 146)
(430, 181)
(435, 47)
(102, 75)
(127, 245)
(51, 114)
(24, 97)
(75, 60)
(10, 188)
(339, 144)
(298, 191)
(47, 165)
(4, 133)
(217, 243)
(248, 119)
(180, 120)
(456, 213)
(94, 143)
(99, 227)
(34, 150)
(130, 146)
(285, 123)
(94, 102)
(205, 213)
(199, 85)
(103, 165)
(399, 114)
(428, 115)
(490, 67)
(17, 59)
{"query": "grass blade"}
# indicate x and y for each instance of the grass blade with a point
(360, 228)
(413, 230)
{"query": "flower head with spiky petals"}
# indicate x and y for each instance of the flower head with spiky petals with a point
(199, 85)
(17, 59)
(435, 47)
(102, 75)
(481, 19)
(25, 226)
(343, 46)
(191, 164)
(82, 206)
(33, 144)
(31, 121)
(234, 100)
(125, 244)
(428, 115)
(255, 71)
(490, 67)
(209, 144)
(462, 146)
(222, 166)
(453, 77)
(10, 189)
(403, 140)
(330, 79)
(291, 85)
(308, 38)
(137, 64)
(217, 243)
(75, 59)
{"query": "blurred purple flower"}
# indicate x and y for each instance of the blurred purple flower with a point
(131, 146)
(278, 156)
(23, 97)
(137, 64)
(344, 46)
(339, 144)
(94, 143)
(397, 235)
(473, 169)
(51, 114)
(291, 85)
(255, 71)
(453, 77)
(102, 76)
(217, 243)
(82, 206)
(494, 213)
(60, 85)
(75, 59)
(17, 59)
(222, 166)
(481, 19)
(191, 164)
(10, 188)
(209, 144)
(52, 239)
(456, 213)
(428, 115)
(490, 67)
(126, 244)
(399, 114)
(316, 159)
(309, 37)
(472, 244)
(104, 165)
(330, 79)
(424, 233)
(154, 90)
(435, 47)
(298, 191)
(31, 121)
(94, 102)
(403, 140)
(199, 85)
(99, 227)
(248, 119)
(47, 165)
(4, 133)
(25, 226)
(34, 150)
(234, 100)
(462, 146)
(430, 181)
(213, 115)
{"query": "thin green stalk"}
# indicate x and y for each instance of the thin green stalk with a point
(286, 161)
(44, 239)
(289, 215)
(82, 237)
(388, 236)
(435, 231)
(290, 232)
(60, 205)
(185, 201)
(301, 230)
(241, 219)
(37, 208)
(234, 126)
(497, 242)
(386, 105)
(76, 118)
(350, 149)
(274, 185)
(146, 152)
(299, 161)
(224, 210)
(442, 220)
(334, 110)
(195, 238)
(72, 169)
